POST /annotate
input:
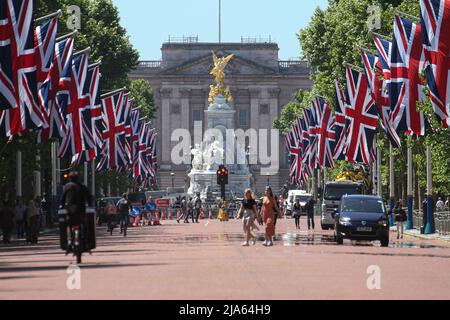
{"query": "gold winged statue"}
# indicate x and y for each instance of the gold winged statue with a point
(218, 72)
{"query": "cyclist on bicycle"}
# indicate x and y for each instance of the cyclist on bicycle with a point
(124, 207)
(74, 199)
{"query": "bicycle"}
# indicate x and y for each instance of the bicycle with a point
(111, 224)
(124, 224)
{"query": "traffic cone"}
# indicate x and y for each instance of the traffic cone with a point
(163, 216)
(210, 214)
(157, 222)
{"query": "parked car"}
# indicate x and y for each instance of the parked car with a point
(361, 217)
(101, 205)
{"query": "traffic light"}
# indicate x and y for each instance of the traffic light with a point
(222, 176)
(66, 177)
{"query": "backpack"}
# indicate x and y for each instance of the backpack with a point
(123, 206)
(72, 199)
(198, 203)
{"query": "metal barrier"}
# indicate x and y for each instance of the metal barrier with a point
(418, 219)
(442, 220)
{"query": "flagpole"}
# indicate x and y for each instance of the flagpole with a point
(85, 173)
(391, 184)
(49, 16)
(64, 37)
(93, 179)
(112, 92)
(401, 13)
(220, 21)
(410, 201)
(19, 174)
(379, 182)
(430, 226)
(54, 177)
(37, 176)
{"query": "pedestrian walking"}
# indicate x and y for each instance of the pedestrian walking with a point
(183, 209)
(297, 213)
(197, 207)
(6, 220)
(190, 211)
(447, 204)
(124, 208)
(269, 206)
(400, 219)
(111, 215)
(440, 205)
(150, 207)
(248, 213)
(19, 218)
(33, 221)
(310, 214)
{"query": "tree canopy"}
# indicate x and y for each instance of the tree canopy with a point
(334, 36)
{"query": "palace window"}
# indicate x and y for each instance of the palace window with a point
(175, 109)
(197, 115)
(264, 109)
(243, 118)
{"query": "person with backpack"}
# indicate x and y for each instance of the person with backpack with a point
(124, 207)
(183, 209)
(190, 211)
(400, 218)
(310, 214)
(75, 199)
(197, 207)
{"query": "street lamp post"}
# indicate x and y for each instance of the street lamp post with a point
(172, 175)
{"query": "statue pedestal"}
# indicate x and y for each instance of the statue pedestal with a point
(219, 116)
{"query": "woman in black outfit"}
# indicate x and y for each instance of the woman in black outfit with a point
(297, 213)
(248, 212)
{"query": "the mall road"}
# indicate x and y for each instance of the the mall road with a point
(206, 261)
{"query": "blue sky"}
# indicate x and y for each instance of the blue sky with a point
(150, 22)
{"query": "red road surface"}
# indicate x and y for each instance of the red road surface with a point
(206, 261)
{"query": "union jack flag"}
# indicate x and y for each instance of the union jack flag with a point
(113, 153)
(295, 155)
(59, 91)
(141, 150)
(406, 87)
(45, 41)
(341, 123)
(362, 115)
(152, 154)
(135, 134)
(77, 138)
(435, 16)
(378, 87)
(125, 117)
(305, 145)
(326, 135)
(314, 118)
(90, 117)
(18, 76)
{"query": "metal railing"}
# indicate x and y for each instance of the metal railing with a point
(286, 64)
(441, 219)
(257, 40)
(183, 39)
(150, 64)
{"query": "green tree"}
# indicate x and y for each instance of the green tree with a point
(334, 36)
(142, 94)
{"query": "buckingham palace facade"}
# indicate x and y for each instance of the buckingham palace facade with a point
(260, 84)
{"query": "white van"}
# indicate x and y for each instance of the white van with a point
(302, 195)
